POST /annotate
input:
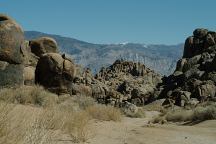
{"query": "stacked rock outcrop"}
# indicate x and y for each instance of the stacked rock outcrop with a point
(35, 61)
(36, 48)
(194, 77)
(85, 84)
(43, 45)
(55, 72)
(12, 49)
(129, 81)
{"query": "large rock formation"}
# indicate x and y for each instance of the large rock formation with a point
(196, 44)
(34, 61)
(85, 84)
(194, 77)
(35, 49)
(43, 45)
(129, 81)
(55, 72)
(12, 49)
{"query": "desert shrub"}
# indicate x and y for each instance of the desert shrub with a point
(25, 124)
(205, 113)
(84, 101)
(67, 104)
(103, 112)
(18, 125)
(78, 126)
(5, 109)
(201, 113)
(28, 95)
(179, 115)
(139, 114)
(21, 123)
(154, 107)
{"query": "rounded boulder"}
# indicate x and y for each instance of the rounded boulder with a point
(43, 45)
(55, 72)
(11, 41)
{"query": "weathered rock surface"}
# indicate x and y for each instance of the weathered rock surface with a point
(194, 77)
(12, 50)
(129, 81)
(11, 74)
(55, 72)
(11, 40)
(43, 45)
(196, 44)
(34, 49)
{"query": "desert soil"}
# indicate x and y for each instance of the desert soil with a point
(138, 131)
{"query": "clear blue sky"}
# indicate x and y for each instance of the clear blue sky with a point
(114, 21)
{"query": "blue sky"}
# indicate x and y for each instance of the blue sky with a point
(115, 21)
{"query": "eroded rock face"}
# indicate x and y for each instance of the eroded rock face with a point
(131, 82)
(55, 72)
(12, 50)
(195, 72)
(11, 74)
(43, 45)
(34, 49)
(196, 44)
(11, 40)
(85, 84)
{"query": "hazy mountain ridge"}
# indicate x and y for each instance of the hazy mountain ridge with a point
(161, 58)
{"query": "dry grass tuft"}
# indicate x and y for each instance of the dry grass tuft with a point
(35, 95)
(78, 126)
(139, 114)
(104, 113)
(19, 125)
(205, 113)
(34, 115)
(179, 115)
(25, 125)
(201, 113)
(155, 106)
(84, 101)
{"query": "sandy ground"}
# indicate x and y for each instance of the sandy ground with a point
(137, 131)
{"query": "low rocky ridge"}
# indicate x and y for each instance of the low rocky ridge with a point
(194, 79)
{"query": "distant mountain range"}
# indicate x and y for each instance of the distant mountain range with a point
(161, 58)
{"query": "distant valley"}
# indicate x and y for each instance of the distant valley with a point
(161, 58)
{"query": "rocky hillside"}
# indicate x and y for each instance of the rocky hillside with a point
(129, 81)
(161, 58)
(38, 61)
(194, 79)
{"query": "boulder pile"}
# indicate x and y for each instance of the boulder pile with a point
(35, 61)
(86, 84)
(129, 81)
(122, 84)
(55, 72)
(12, 49)
(195, 76)
(43, 45)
